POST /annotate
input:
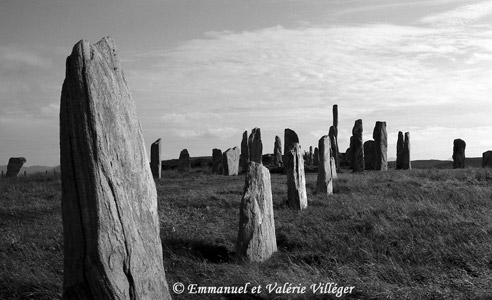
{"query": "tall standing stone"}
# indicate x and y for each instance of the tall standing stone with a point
(255, 146)
(112, 246)
(244, 157)
(324, 182)
(459, 154)
(334, 174)
(356, 148)
(399, 151)
(335, 119)
(256, 237)
(381, 146)
(290, 138)
(487, 159)
(184, 163)
(311, 156)
(335, 153)
(296, 181)
(230, 161)
(277, 152)
(14, 166)
(369, 154)
(407, 163)
(155, 159)
(217, 161)
(316, 157)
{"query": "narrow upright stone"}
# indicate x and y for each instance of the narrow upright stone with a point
(380, 146)
(369, 154)
(407, 163)
(335, 119)
(290, 138)
(311, 156)
(244, 157)
(459, 154)
(277, 152)
(255, 146)
(324, 182)
(256, 237)
(155, 159)
(399, 151)
(296, 181)
(334, 174)
(335, 152)
(14, 166)
(112, 246)
(184, 163)
(230, 161)
(356, 148)
(316, 157)
(487, 159)
(217, 161)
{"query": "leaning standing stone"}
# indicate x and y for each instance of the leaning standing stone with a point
(277, 152)
(356, 148)
(380, 146)
(184, 163)
(230, 161)
(487, 159)
(112, 246)
(296, 182)
(216, 161)
(324, 182)
(256, 237)
(459, 154)
(155, 159)
(255, 146)
(14, 166)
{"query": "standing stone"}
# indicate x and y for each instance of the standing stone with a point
(316, 157)
(380, 147)
(399, 151)
(296, 181)
(217, 161)
(155, 159)
(277, 152)
(244, 157)
(255, 146)
(184, 163)
(14, 166)
(487, 159)
(335, 152)
(324, 182)
(256, 237)
(112, 246)
(290, 138)
(459, 154)
(334, 174)
(230, 161)
(311, 156)
(356, 148)
(407, 163)
(369, 154)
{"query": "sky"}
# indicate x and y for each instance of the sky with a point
(201, 72)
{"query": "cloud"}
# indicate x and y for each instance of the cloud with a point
(460, 16)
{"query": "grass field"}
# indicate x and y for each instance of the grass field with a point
(419, 234)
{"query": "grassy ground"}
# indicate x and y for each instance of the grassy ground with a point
(419, 234)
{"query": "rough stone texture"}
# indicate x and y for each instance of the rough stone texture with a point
(487, 159)
(217, 161)
(230, 161)
(277, 152)
(255, 146)
(459, 154)
(356, 148)
(256, 237)
(335, 119)
(407, 162)
(296, 181)
(399, 151)
(290, 138)
(14, 166)
(369, 154)
(184, 163)
(324, 183)
(244, 157)
(155, 159)
(335, 152)
(334, 174)
(316, 157)
(380, 147)
(112, 246)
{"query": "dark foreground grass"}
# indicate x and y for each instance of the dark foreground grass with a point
(419, 234)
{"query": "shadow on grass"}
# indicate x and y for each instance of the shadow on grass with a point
(200, 250)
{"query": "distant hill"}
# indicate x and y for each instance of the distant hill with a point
(33, 169)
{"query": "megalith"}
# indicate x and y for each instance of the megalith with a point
(296, 181)
(334, 174)
(290, 138)
(230, 161)
(316, 156)
(244, 157)
(256, 237)
(324, 183)
(217, 161)
(112, 246)
(255, 146)
(277, 152)
(407, 163)
(459, 154)
(369, 154)
(380, 137)
(356, 148)
(335, 152)
(14, 166)
(487, 159)
(155, 159)
(399, 151)
(184, 163)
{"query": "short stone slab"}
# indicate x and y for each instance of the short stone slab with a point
(230, 161)
(14, 166)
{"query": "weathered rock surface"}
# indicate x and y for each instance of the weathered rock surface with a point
(112, 246)
(14, 166)
(369, 154)
(256, 237)
(296, 181)
(335, 152)
(311, 156)
(290, 138)
(487, 159)
(277, 152)
(407, 163)
(356, 148)
(316, 157)
(155, 159)
(184, 163)
(380, 137)
(244, 157)
(459, 154)
(217, 161)
(230, 161)
(255, 146)
(324, 183)
(334, 174)
(399, 151)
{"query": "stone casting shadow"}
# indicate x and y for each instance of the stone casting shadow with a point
(199, 249)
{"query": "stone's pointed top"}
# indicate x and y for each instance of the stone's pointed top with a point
(157, 141)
